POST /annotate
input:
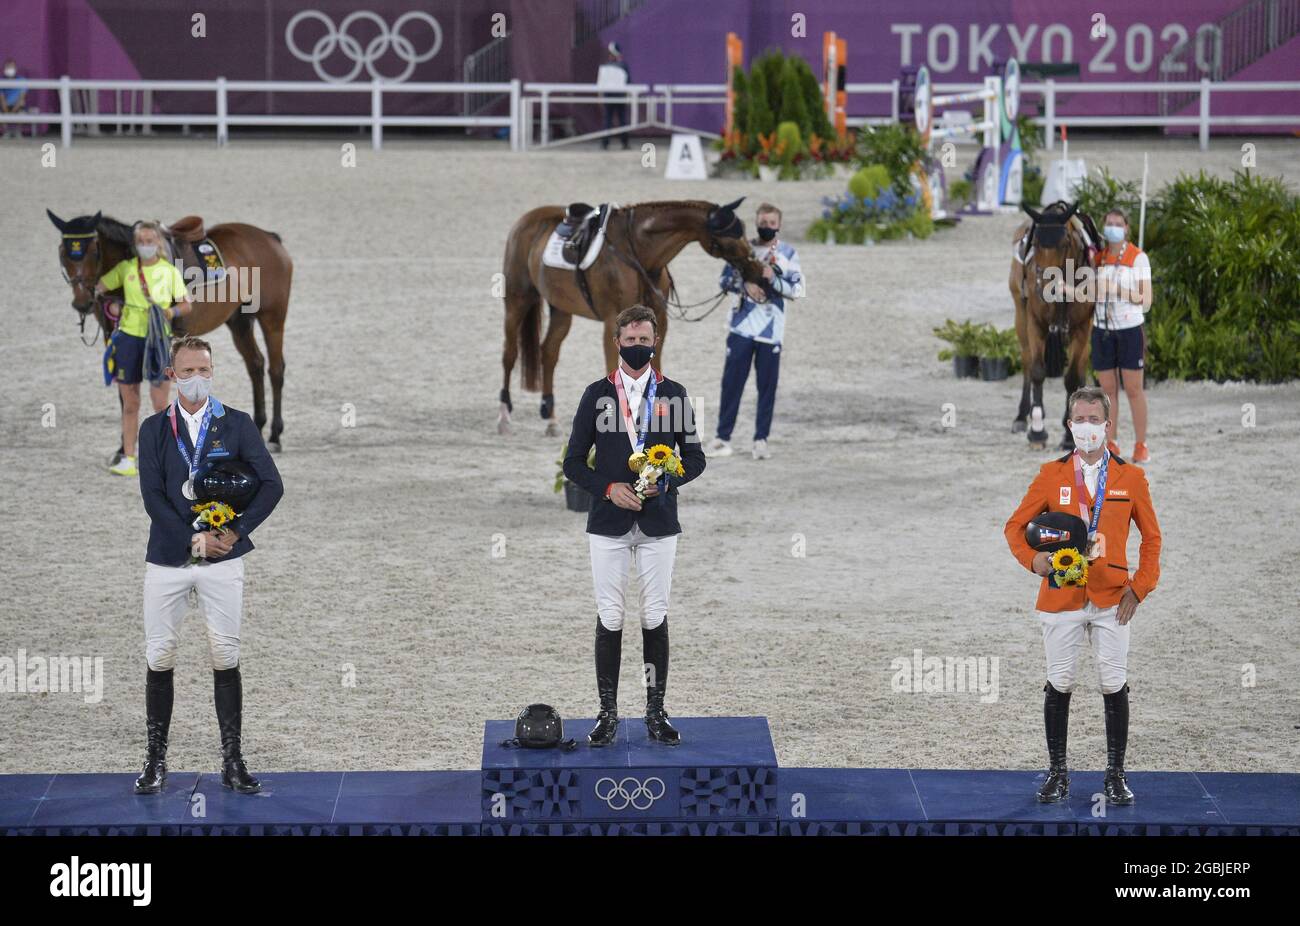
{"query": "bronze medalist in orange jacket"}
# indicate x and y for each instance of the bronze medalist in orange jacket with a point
(1128, 499)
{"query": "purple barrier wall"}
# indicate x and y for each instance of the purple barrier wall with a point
(678, 41)
(256, 40)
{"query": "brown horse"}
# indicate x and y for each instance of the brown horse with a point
(1052, 327)
(641, 240)
(259, 274)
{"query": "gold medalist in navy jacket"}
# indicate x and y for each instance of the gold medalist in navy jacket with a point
(599, 421)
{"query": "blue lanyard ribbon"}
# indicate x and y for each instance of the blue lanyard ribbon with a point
(645, 417)
(1100, 498)
(198, 444)
(644, 429)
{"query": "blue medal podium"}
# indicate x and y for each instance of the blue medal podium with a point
(721, 779)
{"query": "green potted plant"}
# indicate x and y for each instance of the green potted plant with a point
(576, 498)
(959, 193)
(997, 353)
(964, 352)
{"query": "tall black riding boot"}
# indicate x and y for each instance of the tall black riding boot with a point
(1056, 721)
(157, 722)
(1115, 787)
(228, 692)
(609, 654)
(655, 650)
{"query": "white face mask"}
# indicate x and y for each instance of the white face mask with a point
(1114, 233)
(147, 251)
(1088, 437)
(10, 72)
(195, 388)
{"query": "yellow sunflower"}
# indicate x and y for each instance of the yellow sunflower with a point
(658, 454)
(1065, 560)
(216, 514)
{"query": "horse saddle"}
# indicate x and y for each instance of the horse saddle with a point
(577, 240)
(188, 229)
(578, 229)
(191, 247)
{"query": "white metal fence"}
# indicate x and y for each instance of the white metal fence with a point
(1049, 90)
(528, 101)
(222, 119)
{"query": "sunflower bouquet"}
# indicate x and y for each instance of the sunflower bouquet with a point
(650, 465)
(1069, 568)
(212, 515)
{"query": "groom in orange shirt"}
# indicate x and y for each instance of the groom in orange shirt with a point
(1108, 494)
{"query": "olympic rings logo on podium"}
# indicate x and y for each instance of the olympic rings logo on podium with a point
(366, 57)
(641, 796)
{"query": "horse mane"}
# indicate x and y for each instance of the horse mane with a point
(673, 204)
(117, 232)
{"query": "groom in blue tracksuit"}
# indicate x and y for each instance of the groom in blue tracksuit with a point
(757, 326)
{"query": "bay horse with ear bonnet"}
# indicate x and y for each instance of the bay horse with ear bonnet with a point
(93, 244)
(1053, 319)
(632, 267)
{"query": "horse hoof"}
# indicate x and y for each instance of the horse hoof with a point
(552, 429)
(1018, 426)
(273, 446)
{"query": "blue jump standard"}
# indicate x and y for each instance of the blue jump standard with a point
(722, 779)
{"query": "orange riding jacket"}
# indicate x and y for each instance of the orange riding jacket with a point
(1128, 499)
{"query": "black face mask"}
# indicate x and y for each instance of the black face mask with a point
(767, 234)
(636, 355)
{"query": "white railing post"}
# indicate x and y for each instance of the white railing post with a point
(1205, 114)
(894, 102)
(1050, 114)
(516, 137)
(376, 115)
(221, 113)
(668, 104)
(546, 119)
(65, 110)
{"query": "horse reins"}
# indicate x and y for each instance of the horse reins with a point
(670, 300)
(84, 280)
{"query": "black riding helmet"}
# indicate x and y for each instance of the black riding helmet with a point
(228, 481)
(539, 726)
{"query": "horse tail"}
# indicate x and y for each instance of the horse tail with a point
(530, 344)
(523, 302)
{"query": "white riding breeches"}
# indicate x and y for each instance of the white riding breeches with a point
(610, 559)
(1064, 636)
(220, 589)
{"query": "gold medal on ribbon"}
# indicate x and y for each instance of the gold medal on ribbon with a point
(637, 461)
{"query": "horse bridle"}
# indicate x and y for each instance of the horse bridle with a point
(670, 300)
(83, 278)
(1060, 322)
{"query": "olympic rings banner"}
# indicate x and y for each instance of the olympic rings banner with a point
(331, 41)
